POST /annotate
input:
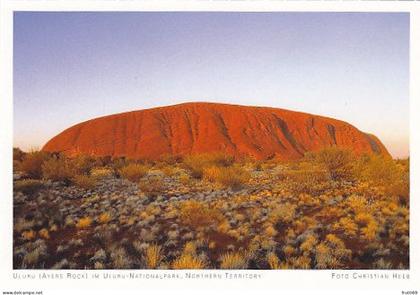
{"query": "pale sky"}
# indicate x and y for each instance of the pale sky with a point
(74, 66)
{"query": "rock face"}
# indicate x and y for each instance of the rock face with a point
(258, 132)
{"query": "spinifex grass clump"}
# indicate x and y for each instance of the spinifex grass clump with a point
(196, 214)
(134, 172)
(84, 181)
(197, 163)
(232, 176)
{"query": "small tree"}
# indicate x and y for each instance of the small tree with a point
(32, 162)
(338, 162)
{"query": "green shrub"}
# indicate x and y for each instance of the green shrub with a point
(18, 154)
(306, 178)
(379, 170)
(28, 186)
(32, 162)
(387, 173)
(83, 163)
(338, 162)
(58, 169)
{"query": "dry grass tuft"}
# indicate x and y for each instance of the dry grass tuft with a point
(306, 178)
(188, 261)
(195, 214)
(309, 243)
(197, 163)
(233, 176)
(153, 256)
(283, 213)
(169, 170)
(44, 234)
(273, 260)
(347, 225)
(190, 248)
(104, 217)
(83, 164)
(152, 186)
(84, 222)
(84, 181)
(28, 235)
(120, 259)
(270, 231)
(134, 172)
(233, 261)
(100, 172)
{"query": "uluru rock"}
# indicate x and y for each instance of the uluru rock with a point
(258, 132)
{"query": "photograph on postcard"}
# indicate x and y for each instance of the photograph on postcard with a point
(211, 140)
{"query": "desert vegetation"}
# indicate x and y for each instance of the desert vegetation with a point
(331, 209)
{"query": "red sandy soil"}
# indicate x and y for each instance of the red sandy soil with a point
(258, 132)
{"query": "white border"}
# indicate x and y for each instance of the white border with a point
(314, 281)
